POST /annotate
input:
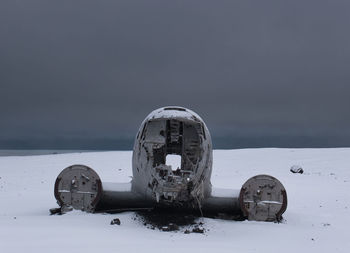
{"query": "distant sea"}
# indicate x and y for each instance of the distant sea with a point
(12, 152)
(61, 146)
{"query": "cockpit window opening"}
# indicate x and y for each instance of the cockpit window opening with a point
(174, 161)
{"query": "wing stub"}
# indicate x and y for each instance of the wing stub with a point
(78, 187)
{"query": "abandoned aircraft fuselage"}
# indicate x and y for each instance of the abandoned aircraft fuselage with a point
(178, 131)
(171, 131)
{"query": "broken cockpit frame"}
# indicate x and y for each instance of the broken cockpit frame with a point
(185, 137)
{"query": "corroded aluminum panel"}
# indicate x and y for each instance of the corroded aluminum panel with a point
(263, 198)
(78, 186)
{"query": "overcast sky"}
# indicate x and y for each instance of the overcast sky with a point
(95, 69)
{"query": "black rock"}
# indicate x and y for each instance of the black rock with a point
(56, 211)
(115, 221)
(170, 227)
(296, 169)
(198, 230)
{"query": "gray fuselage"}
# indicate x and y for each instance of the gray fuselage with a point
(173, 131)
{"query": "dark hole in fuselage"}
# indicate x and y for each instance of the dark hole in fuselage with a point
(181, 138)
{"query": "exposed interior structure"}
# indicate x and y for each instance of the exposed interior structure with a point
(173, 137)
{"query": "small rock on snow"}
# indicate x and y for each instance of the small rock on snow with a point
(297, 169)
(115, 221)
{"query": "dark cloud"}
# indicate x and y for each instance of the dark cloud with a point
(78, 69)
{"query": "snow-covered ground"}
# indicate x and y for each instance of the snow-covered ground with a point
(317, 217)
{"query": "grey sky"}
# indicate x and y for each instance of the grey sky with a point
(97, 68)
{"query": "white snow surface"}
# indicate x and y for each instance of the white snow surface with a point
(317, 217)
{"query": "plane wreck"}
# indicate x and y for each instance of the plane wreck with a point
(167, 132)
